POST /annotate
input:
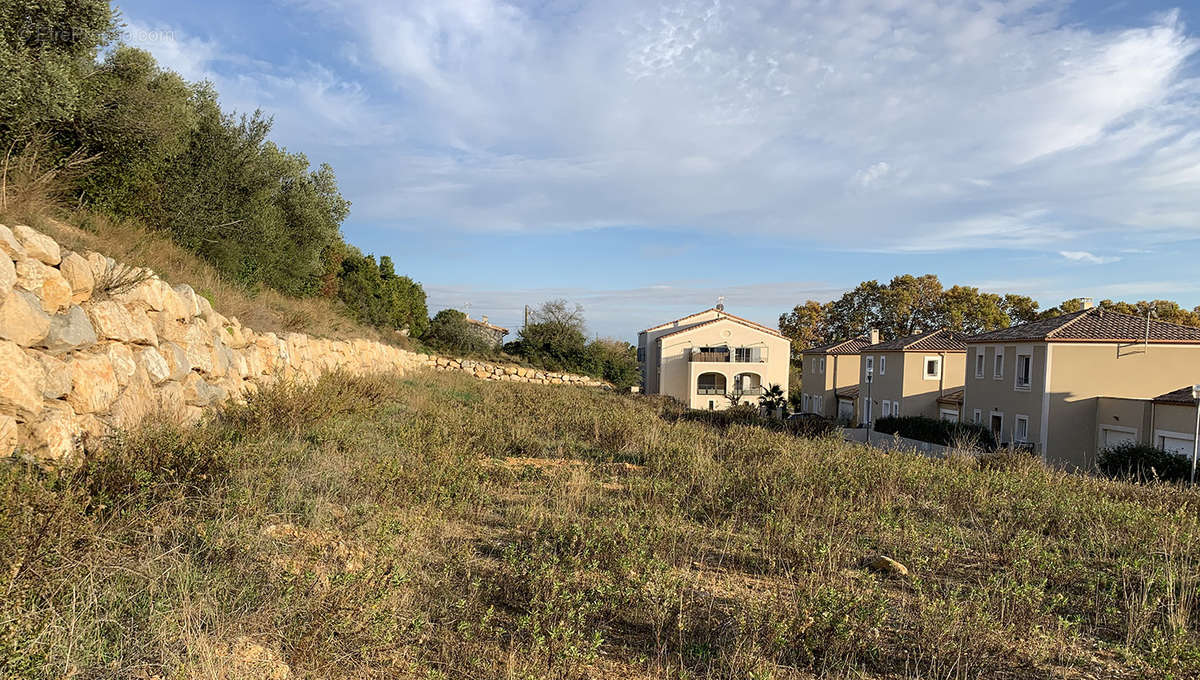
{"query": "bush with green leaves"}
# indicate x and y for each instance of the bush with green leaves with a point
(934, 431)
(1132, 460)
(450, 331)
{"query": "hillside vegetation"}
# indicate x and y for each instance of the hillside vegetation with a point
(434, 526)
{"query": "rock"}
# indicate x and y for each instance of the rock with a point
(22, 319)
(123, 363)
(38, 246)
(150, 294)
(155, 366)
(57, 373)
(111, 321)
(47, 283)
(8, 435)
(78, 274)
(178, 365)
(55, 437)
(141, 329)
(9, 244)
(69, 331)
(93, 383)
(171, 400)
(22, 382)
(886, 565)
(197, 392)
(8, 276)
(137, 401)
(191, 301)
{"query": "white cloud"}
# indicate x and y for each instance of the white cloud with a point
(1086, 257)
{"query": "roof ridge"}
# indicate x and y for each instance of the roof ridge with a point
(687, 316)
(1078, 315)
(726, 317)
(918, 337)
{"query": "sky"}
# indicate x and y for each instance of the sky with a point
(644, 159)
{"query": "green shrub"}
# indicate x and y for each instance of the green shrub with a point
(812, 425)
(935, 431)
(1132, 460)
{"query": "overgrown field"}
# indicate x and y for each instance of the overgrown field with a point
(434, 526)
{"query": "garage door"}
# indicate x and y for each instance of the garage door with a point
(1110, 437)
(1176, 445)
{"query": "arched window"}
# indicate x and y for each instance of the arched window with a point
(747, 383)
(710, 383)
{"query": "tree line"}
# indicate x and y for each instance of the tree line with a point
(909, 304)
(123, 136)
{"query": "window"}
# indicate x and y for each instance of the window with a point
(870, 365)
(896, 409)
(882, 365)
(1176, 442)
(822, 364)
(820, 405)
(887, 408)
(1024, 371)
(979, 361)
(933, 368)
(1021, 429)
(805, 401)
(977, 416)
(998, 364)
(750, 354)
(641, 357)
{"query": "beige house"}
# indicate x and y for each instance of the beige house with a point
(831, 375)
(490, 333)
(1074, 384)
(1167, 421)
(706, 358)
(911, 376)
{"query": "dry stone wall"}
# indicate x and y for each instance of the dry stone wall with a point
(88, 345)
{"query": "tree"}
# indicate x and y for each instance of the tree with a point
(911, 304)
(806, 325)
(615, 361)
(1019, 308)
(857, 311)
(450, 330)
(773, 399)
(966, 310)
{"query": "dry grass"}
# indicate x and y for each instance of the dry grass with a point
(424, 527)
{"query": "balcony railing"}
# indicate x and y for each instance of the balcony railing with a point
(745, 391)
(725, 357)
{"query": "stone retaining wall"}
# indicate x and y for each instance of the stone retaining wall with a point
(88, 345)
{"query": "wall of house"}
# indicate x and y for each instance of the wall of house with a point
(888, 385)
(80, 358)
(647, 342)
(841, 371)
(990, 394)
(1083, 372)
(679, 374)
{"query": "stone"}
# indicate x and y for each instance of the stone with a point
(8, 435)
(9, 244)
(171, 400)
(141, 329)
(78, 274)
(197, 392)
(46, 282)
(111, 320)
(8, 276)
(70, 330)
(22, 319)
(100, 265)
(57, 374)
(178, 366)
(22, 382)
(155, 366)
(137, 401)
(191, 301)
(123, 363)
(37, 245)
(886, 565)
(93, 383)
(149, 294)
(204, 306)
(54, 438)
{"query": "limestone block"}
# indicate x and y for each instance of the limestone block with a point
(46, 282)
(93, 383)
(8, 276)
(22, 382)
(197, 392)
(123, 362)
(57, 373)
(8, 435)
(68, 331)
(37, 245)
(53, 438)
(22, 319)
(171, 400)
(141, 329)
(78, 274)
(191, 301)
(111, 321)
(154, 365)
(9, 244)
(137, 401)
(178, 366)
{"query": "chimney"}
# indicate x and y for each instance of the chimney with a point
(1087, 303)
(483, 318)
(874, 336)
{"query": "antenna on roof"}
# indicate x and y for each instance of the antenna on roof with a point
(720, 303)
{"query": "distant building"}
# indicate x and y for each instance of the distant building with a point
(705, 358)
(831, 375)
(493, 335)
(1074, 384)
(917, 375)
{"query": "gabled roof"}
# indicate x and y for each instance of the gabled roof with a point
(1093, 325)
(934, 341)
(953, 397)
(1183, 395)
(720, 314)
(724, 316)
(850, 392)
(853, 346)
(484, 324)
(676, 321)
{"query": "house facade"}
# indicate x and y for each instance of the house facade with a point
(489, 333)
(1072, 385)
(911, 376)
(709, 359)
(831, 374)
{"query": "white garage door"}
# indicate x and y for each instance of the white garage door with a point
(1176, 445)
(1110, 437)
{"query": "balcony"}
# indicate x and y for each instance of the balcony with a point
(709, 356)
(743, 355)
(745, 391)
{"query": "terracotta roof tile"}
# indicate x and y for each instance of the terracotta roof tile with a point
(1093, 325)
(850, 392)
(933, 341)
(724, 317)
(853, 346)
(1183, 395)
(953, 397)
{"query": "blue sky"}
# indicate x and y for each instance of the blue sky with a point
(643, 159)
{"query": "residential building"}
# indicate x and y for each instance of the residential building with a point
(492, 334)
(908, 376)
(831, 375)
(1071, 385)
(705, 358)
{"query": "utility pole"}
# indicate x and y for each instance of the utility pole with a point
(1196, 434)
(526, 325)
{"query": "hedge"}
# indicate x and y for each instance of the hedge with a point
(943, 432)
